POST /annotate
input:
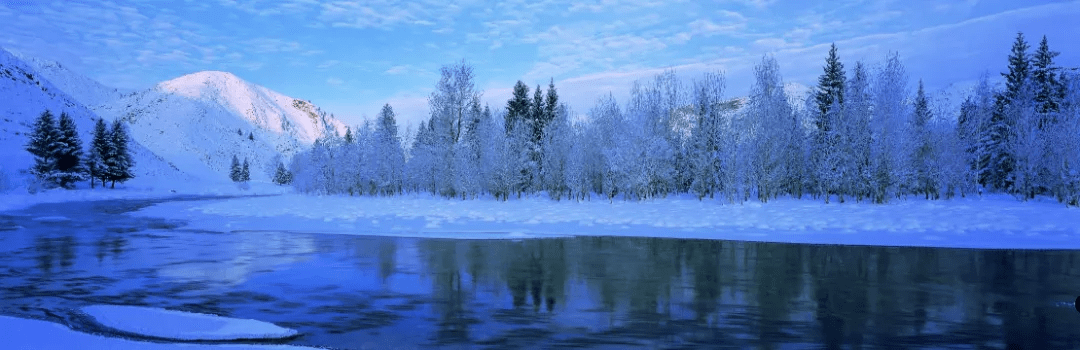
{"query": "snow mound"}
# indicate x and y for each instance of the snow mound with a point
(180, 325)
(21, 333)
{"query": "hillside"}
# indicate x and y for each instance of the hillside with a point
(200, 121)
(25, 93)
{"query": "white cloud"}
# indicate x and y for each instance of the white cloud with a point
(334, 81)
(328, 64)
(406, 69)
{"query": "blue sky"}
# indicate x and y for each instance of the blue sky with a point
(350, 57)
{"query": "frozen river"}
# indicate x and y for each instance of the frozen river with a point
(353, 292)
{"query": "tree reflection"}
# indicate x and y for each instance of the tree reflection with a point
(52, 250)
(705, 290)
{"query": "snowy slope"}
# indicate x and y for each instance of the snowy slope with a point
(25, 93)
(87, 91)
(201, 120)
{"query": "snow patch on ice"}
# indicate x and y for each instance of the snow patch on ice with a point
(180, 325)
(21, 333)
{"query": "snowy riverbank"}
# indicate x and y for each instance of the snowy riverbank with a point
(995, 221)
(19, 198)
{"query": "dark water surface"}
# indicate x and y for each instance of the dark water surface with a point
(352, 292)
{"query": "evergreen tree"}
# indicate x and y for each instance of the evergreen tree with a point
(245, 172)
(348, 135)
(251, 136)
(44, 144)
(99, 148)
(282, 176)
(518, 107)
(1019, 67)
(830, 89)
(829, 94)
(1047, 86)
(69, 163)
(234, 169)
(923, 148)
(551, 102)
(537, 115)
(119, 161)
(998, 136)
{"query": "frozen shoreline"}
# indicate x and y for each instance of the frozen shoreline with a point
(993, 222)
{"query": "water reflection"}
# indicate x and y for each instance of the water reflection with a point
(345, 291)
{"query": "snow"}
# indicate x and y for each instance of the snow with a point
(180, 325)
(21, 333)
(184, 130)
(993, 221)
(20, 82)
(19, 199)
(193, 121)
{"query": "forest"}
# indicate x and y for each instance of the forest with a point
(864, 134)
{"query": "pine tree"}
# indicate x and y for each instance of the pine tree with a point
(830, 88)
(551, 102)
(829, 95)
(1048, 88)
(119, 161)
(1019, 67)
(348, 135)
(99, 148)
(245, 173)
(251, 136)
(282, 176)
(517, 108)
(998, 156)
(234, 169)
(537, 115)
(43, 145)
(69, 164)
(923, 151)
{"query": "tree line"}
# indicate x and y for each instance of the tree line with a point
(58, 153)
(862, 136)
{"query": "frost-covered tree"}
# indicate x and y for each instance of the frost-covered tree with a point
(391, 161)
(119, 162)
(468, 177)
(773, 128)
(889, 167)
(1063, 160)
(450, 104)
(856, 135)
(706, 143)
(555, 148)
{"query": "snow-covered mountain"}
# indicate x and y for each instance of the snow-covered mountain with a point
(200, 121)
(187, 127)
(25, 93)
